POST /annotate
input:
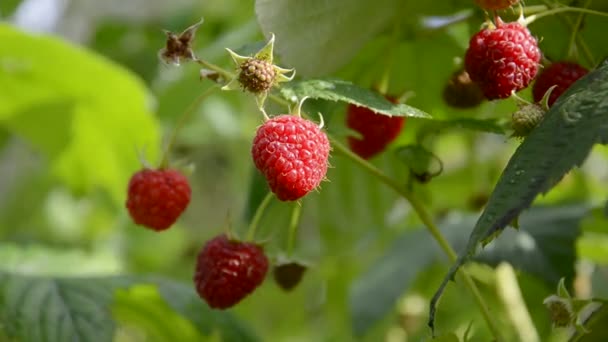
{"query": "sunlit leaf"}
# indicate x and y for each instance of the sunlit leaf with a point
(86, 114)
(41, 260)
(80, 309)
(142, 308)
(316, 36)
(340, 90)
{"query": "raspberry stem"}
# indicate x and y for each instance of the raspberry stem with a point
(562, 9)
(294, 222)
(416, 204)
(180, 124)
(588, 54)
(385, 79)
(227, 75)
(572, 43)
(426, 219)
(257, 217)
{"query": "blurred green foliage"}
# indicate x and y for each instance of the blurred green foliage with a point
(74, 116)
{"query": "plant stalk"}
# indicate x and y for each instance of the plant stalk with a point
(257, 217)
(294, 222)
(430, 225)
(414, 202)
(182, 121)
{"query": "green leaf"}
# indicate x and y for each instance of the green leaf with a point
(419, 160)
(141, 308)
(547, 235)
(85, 113)
(185, 301)
(374, 293)
(80, 309)
(576, 122)
(449, 337)
(340, 90)
(594, 318)
(7, 7)
(316, 36)
(258, 188)
(44, 309)
(41, 260)
(480, 125)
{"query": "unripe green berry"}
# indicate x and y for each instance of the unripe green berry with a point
(526, 119)
(561, 313)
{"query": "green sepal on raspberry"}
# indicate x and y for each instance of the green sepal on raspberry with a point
(258, 74)
(228, 270)
(502, 59)
(156, 198)
(292, 153)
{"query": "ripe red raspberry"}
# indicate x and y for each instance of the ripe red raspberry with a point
(502, 59)
(227, 271)
(562, 74)
(156, 198)
(377, 130)
(292, 154)
(493, 5)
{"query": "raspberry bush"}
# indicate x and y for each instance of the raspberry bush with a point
(286, 194)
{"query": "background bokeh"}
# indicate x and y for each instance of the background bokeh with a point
(83, 97)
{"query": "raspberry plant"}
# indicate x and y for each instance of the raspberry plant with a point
(301, 219)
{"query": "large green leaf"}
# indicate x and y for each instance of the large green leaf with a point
(80, 309)
(86, 114)
(141, 308)
(340, 90)
(543, 246)
(317, 36)
(374, 294)
(577, 121)
(41, 260)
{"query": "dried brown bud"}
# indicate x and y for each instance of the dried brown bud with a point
(288, 275)
(179, 47)
(461, 92)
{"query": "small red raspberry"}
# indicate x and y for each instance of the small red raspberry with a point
(156, 198)
(292, 153)
(493, 5)
(502, 60)
(561, 74)
(228, 270)
(377, 130)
